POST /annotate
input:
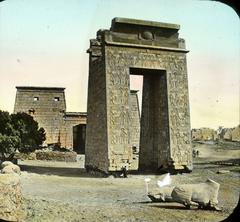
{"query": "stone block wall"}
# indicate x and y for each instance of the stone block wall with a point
(118, 61)
(96, 152)
(69, 121)
(47, 105)
(134, 128)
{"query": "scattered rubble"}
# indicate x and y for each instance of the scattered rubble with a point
(202, 195)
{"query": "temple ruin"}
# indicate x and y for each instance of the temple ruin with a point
(155, 51)
(47, 106)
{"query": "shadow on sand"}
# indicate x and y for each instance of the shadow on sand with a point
(60, 171)
(173, 205)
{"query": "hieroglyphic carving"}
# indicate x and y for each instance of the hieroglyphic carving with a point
(174, 63)
(120, 136)
(166, 122)
(119, 96)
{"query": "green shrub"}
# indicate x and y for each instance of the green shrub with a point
(19, 131)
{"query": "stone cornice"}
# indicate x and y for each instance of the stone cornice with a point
(146, 46)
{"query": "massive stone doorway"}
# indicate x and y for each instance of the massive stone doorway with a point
(154, 136)
(151, 49)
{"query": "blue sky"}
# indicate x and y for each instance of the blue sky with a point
(44, 43)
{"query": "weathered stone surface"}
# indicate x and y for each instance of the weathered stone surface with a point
(138, 48)
(6, 163)
(204, 194)
(11, 198)
(12, 168)
(163, 194)
(134, 128)
(47, 106)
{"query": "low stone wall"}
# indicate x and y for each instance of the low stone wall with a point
(56, 156)
(25, 156)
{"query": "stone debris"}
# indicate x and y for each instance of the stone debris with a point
(164, 194)
(10, 195)
(203, 195)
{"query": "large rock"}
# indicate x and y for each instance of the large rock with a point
(163, 194)
(11, 169)
(6, 163)
(8, 167)
(10, 198)
(205, 195)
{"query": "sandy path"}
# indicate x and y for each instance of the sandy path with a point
(65, 192)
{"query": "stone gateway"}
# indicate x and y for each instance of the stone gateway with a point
(153, 50)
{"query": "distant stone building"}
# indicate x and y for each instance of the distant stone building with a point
(204, 134)
(227, 134)
(236, 134)
(230, 134)
(47, 105)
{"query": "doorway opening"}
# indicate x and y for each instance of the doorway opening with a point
(79, 138)
(154, 121)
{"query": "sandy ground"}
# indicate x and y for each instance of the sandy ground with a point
(57, 191)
